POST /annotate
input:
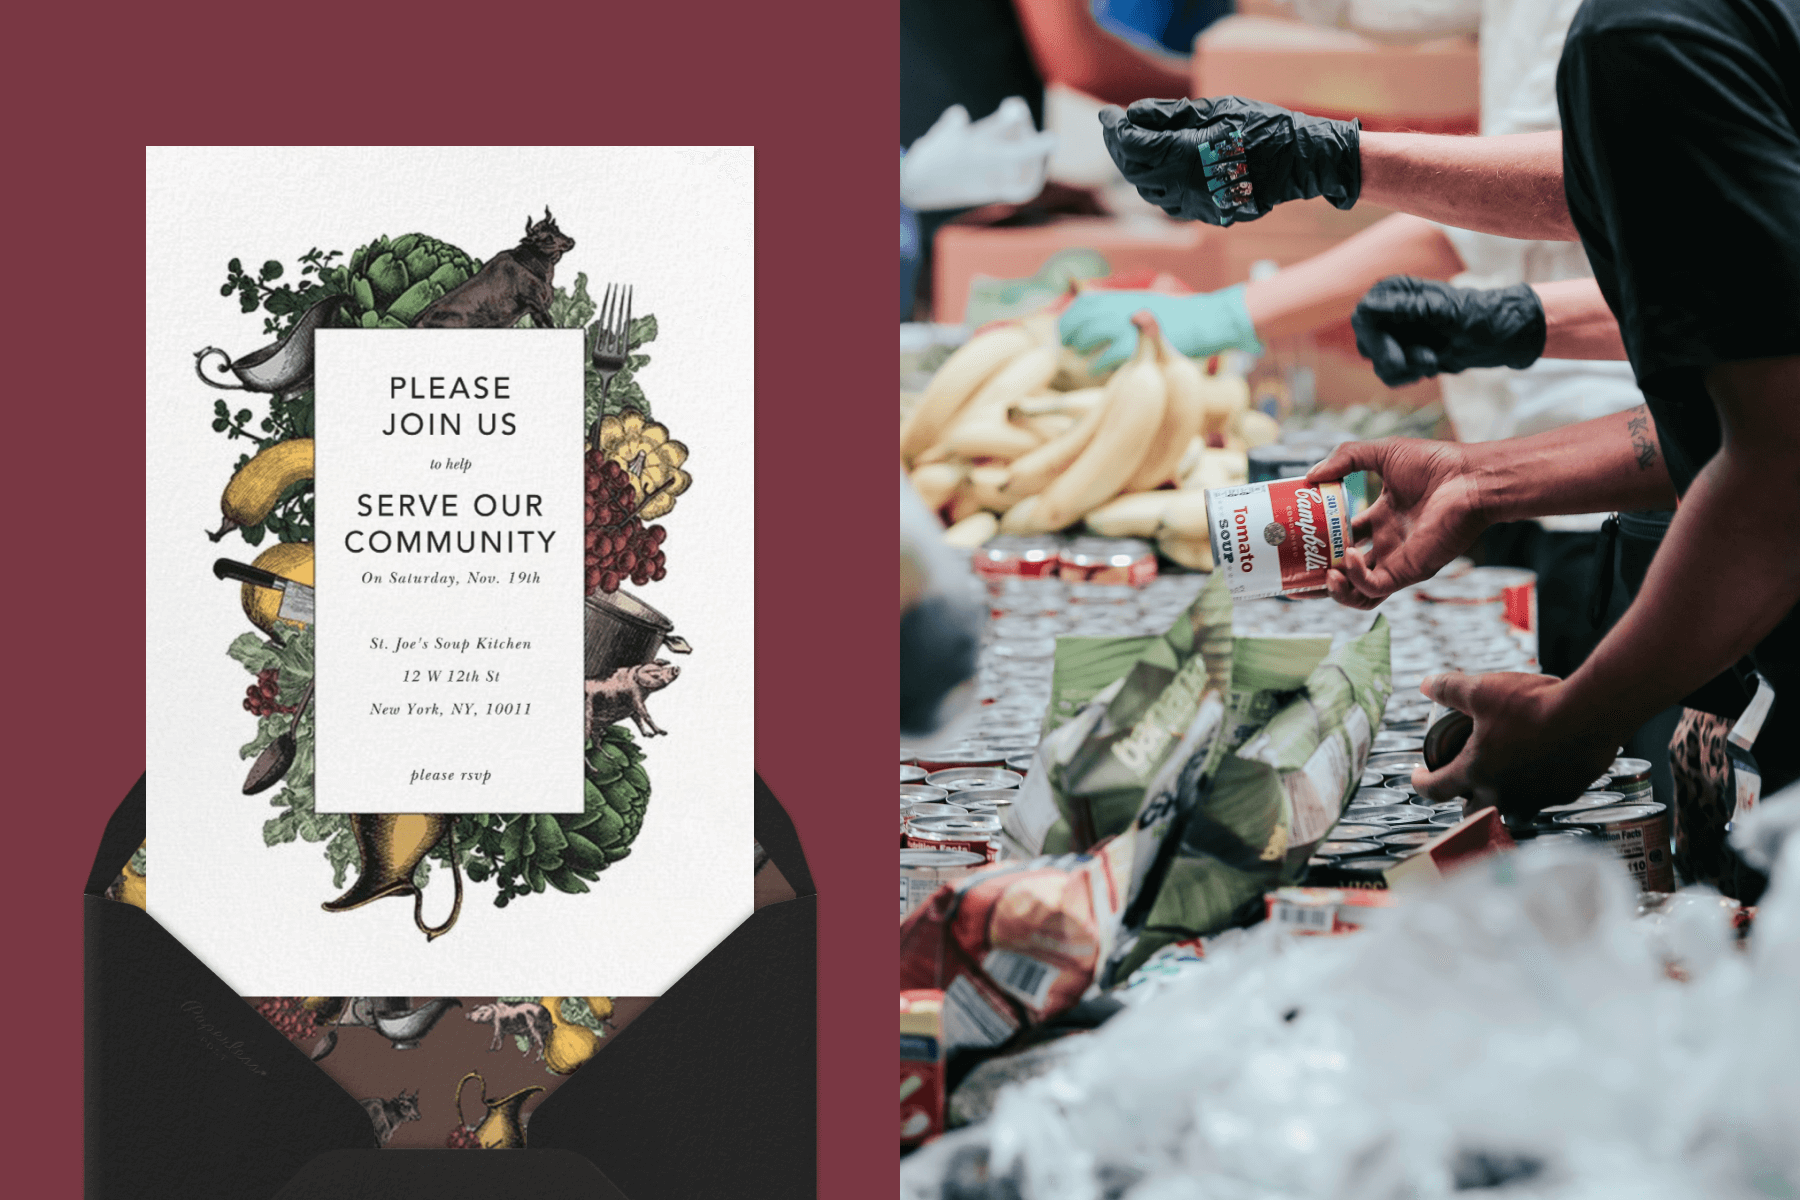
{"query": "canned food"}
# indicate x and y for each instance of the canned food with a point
(1392, 765)
(1028, 557)
(963, 779)
(1446, 735)
(1631, 776)
(1638, 834)
(1604, 783)
(1513, 588)
(923, 872)
(906, 810)
(1336, 849)
(1115, 561)
(1388, 742)
(1369, 779)
(911, 773)
(1380, 796)
(1398, 814)
(923, 792)
(1372, 864)
(1447, 820)
(1278, 538)
(973, 798)
(973, 832)
(1408, 838)
(1269, 463)
(960, 756)
(1356, 831)
(1402, 783)
(924, 811)
(1020, 763)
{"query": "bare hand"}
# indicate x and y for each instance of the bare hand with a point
(1525, 752)
(1428, 513)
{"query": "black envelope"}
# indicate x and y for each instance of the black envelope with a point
(191, 1094)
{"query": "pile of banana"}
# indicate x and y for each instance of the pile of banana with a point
(1015, 435)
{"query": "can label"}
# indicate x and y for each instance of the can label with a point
(920, 838)
(1278, 538)
(1639, 835)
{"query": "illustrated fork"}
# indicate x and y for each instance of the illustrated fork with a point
(612, 342)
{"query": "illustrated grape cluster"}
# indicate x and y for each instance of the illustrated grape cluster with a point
(619, 546)
(263, 697)
(462, 1138)
(290, 1018)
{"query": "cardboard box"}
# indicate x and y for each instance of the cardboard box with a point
(1428, 87)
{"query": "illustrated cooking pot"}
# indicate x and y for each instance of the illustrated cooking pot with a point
(623, 631)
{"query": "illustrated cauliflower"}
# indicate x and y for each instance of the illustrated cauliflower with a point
(643, 448)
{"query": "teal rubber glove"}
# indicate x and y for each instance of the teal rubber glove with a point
(1195, 325)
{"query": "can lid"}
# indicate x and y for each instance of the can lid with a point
(1611, 814)
(1347, 849)
(974, 824)
(939, 858)
(923, 791)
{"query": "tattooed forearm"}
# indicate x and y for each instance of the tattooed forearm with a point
(1643, 438)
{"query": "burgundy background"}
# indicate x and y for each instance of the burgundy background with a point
(812, 85)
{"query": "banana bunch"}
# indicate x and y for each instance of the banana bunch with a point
(260, 483)
(1012, 436)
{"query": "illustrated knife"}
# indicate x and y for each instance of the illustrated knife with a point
(296, 597)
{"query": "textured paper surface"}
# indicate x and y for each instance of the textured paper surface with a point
(675, 223)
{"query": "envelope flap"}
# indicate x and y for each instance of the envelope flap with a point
(713, 1090)
(775, 832)
(189, 1092)
(124, 833)
(449, 1175)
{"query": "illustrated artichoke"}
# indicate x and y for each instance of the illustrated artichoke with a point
(391, 282)
(618, 792)
(643, 448)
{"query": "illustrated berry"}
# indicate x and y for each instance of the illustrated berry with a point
(619, 545)
(292, 1019)
(263, 697)
(462, 1138)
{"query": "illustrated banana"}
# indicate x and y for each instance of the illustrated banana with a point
(1181, 418)
(962, 504)
(956, 383)
(1075, 404)
(937, 482)
(258, 486)
(1137, 396)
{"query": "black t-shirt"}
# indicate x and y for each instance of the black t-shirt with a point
(967, 52)
(1681, 163)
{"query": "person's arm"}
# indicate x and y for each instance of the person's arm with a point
(1510, 185)
(1718, 585)
(1071, 48)
(1326, 287)
(1577, 322)
(1437, 497)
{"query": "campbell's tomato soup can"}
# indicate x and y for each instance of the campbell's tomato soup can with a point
(1118, 561)
(975, 833)
(1028, 557)
(964, 779)
(1631, 776)
(923, 793)
(911, 773)
(1278, 538)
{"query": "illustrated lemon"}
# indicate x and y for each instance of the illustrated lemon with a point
(290, 560)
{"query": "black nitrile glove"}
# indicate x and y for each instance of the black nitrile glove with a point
(1412, 329)
(1230, 159)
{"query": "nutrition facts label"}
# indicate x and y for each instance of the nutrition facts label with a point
(449, 524)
